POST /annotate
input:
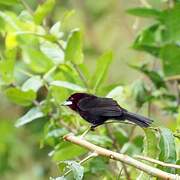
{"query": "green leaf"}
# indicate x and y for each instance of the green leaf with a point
(9, 2)
(101, 140)
(97, 165)
(31, 115)
(73, 51)
(33, 83)
(56, 133)
(37, 61)
(68, 85)
(151, 149)
(140, 93)
(149, 40)
(67, 151)
(170, 19)
(53, 52)
(120, 134)
(102, 66)
(24, 98)
(168, 148)
(170, 55)
(153, 75)
(7, 70)
(43, 10)
(144, 12)
(76, 168)
(55, 30)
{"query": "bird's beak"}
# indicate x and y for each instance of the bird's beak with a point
(66, 103)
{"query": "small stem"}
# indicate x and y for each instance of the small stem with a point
(26, 6)
(116, 146)
(85, 132)
(149, 109)
(173, 78)
(145, 3)
(25, 73)
(81, 75)
(119, 175)
(45, 77)
(83, 161)
(178, 92)
(158, 162)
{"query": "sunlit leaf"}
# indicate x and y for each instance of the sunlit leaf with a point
(7, 70)
(24, 98)
(68, 85)
(102, 66)
(43, 10)
(53, 52)
(55, 30)
(11, 41)
(31, 115)
(73, 51)
(37, 61)
(33, 83)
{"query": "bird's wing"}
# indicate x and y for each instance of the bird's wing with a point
(100, 106)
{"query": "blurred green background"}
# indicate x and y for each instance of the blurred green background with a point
(105, 26)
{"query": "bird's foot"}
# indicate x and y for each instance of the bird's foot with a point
(92, 128)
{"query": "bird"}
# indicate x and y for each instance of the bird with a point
(97, 110)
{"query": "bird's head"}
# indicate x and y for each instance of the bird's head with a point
(73, 100)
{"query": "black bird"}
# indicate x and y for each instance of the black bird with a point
(97, 110)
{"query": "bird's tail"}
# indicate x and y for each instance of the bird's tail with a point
(137, 119)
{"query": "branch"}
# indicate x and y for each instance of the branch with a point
(120, 157)
(158, 162)
(173, 78)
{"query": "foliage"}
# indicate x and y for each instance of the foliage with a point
(41, 65)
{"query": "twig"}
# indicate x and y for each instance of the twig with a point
(116, 146)
(178, 92)
(120, 157)
(81, 75)
(26, 6)
(145, 3)
(173, 78)
(82, 161)
(119, 175)
(157, 162)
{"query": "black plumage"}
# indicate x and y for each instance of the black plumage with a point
(97, 110)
